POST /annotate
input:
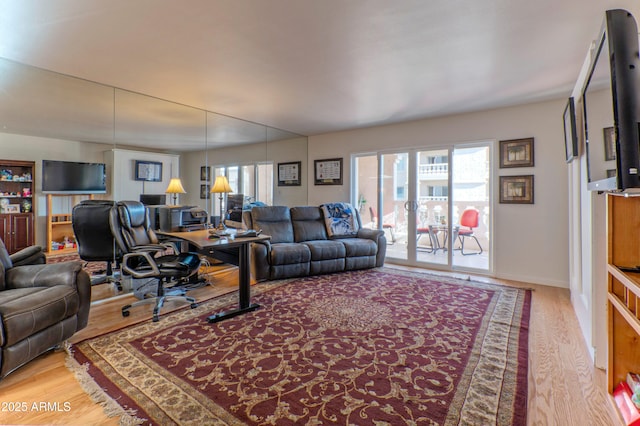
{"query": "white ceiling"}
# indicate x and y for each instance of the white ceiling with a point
(313, 67)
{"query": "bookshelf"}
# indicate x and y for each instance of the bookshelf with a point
(623, 292)
(59, 225)
(16, 204)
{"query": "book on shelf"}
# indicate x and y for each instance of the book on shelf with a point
(622, 396)
(633, 380)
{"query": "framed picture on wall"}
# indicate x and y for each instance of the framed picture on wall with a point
(289, 173)
(204, 191)
(149, 171)
(205, 172)
(328, 172)
(516, 153)
(516, 189)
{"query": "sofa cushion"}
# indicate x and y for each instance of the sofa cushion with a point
(25, 311)
(308, 223)
(326, 249)
(359, 247)
(289, 253)
(274, 221)
(327, 266)
(340, 219)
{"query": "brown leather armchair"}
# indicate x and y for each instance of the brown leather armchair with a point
(41, 305)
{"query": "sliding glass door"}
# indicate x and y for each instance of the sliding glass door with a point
(433, 205)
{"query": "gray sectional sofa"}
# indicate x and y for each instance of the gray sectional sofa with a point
(301, 244)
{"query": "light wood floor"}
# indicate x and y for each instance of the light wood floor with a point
(564, 387)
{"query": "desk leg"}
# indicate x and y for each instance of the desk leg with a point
(244, 291)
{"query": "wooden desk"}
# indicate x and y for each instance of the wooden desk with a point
(231, 250)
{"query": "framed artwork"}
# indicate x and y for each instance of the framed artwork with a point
(609, 144)
(516, 153)
(289, 173)
(150, 171)
(204, 191)
(570, 131)
(328, 172)
(11, 208)
(205, 173)
(516, 189)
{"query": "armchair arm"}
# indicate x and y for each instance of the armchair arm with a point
(54, 274)
(260, 253)
(32, 255)
(371, 234)
(47, 275)
(378, 236)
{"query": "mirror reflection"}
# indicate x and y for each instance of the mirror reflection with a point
(144, 143)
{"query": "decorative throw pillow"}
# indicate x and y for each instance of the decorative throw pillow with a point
(340, 219)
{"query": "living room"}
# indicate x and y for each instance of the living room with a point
(530, 243)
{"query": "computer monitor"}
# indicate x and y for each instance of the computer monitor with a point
(153, 199)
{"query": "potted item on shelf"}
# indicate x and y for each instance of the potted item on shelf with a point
(26, 206)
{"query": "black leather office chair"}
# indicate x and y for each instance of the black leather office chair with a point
(145, 256)
(90, 221)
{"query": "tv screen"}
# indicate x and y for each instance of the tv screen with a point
(611, 106)
(68, 177)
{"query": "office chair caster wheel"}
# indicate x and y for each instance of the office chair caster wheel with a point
(194, 305)
(125, 311)
(156, 318)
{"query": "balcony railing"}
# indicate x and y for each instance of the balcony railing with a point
(435, 171)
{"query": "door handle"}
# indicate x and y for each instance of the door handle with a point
(411, 206)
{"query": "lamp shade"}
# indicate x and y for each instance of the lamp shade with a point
(221, 185)
(175, 187)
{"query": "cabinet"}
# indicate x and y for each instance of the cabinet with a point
(59, 225)
(623, 293)
(16, 230)
(16, 204)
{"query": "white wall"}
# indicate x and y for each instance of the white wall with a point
(530, 241)
(274, 151)
(123, 186)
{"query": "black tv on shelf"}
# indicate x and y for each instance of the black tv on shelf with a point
(69, 177)
(611, 106)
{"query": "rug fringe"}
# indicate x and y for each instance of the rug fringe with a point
(96, 393)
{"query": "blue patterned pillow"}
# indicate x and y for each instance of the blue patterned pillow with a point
(340, 219)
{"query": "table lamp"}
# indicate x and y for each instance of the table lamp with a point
(221, 186)
(175, 187)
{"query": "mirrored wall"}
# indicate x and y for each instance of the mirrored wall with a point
(50, 116)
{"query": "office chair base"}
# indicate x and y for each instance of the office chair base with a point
(159, 303)
(102, 279)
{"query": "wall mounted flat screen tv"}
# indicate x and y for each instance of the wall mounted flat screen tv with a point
(68, 177)
(611, 106)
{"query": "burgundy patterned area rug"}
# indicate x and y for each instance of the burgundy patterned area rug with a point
(91, 267)
(366, 347)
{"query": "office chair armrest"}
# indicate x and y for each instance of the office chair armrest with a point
(148, 258)
(152, 248)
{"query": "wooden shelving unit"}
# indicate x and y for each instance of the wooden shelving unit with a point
(623, 295)
(59, 226)
(17, 204)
